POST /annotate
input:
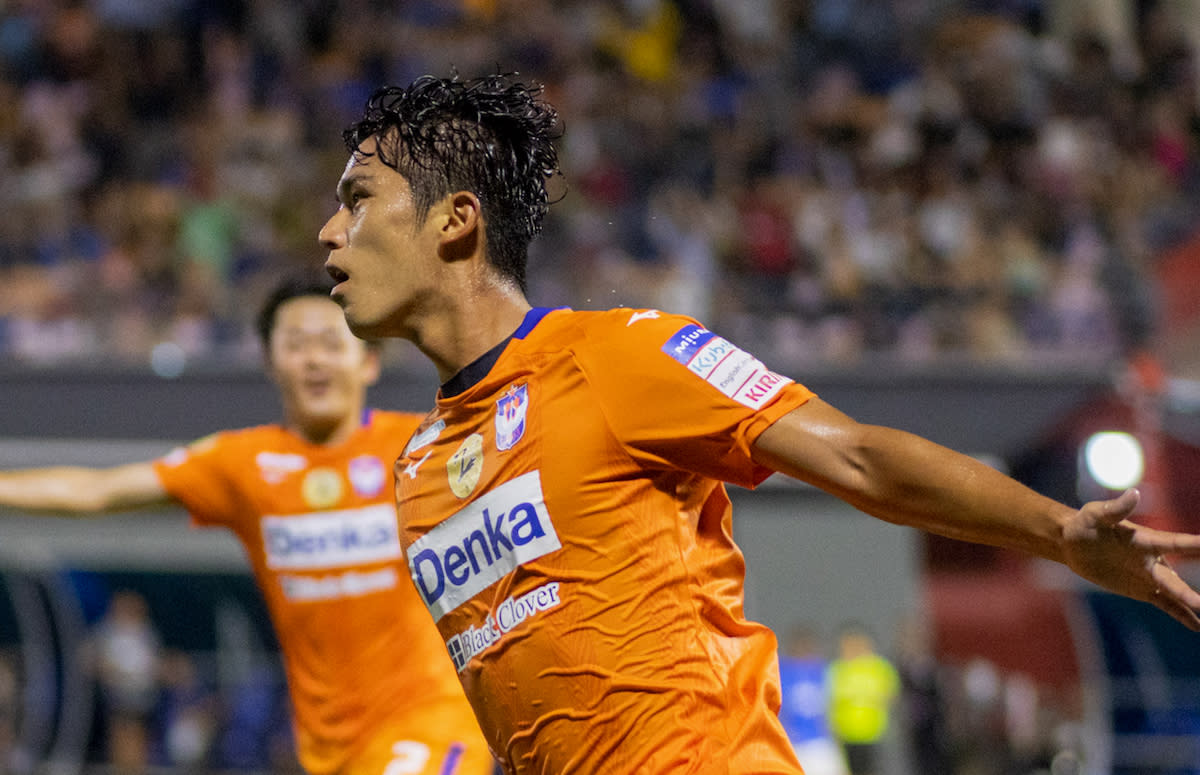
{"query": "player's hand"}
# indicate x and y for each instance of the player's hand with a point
(1103, 546)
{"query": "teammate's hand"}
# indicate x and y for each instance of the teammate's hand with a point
(1101, 545)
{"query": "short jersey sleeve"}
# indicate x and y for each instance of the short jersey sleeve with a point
(678, 395)
(200, 478)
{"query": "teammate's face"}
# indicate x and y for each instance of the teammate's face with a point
(384, 259)
(322, 369)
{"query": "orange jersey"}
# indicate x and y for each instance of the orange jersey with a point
(365, 667)
(564, 518)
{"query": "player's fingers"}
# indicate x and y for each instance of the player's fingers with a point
(1178, 611)
(1174, 595)
(1160, 542)
(1116, 509)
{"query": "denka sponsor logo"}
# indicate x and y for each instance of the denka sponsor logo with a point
(728, 368)
(482, 543)
(331, 539)
(509, 614)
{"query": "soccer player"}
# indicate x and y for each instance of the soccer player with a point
(312, 502)
(564, 516)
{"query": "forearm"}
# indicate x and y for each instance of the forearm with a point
(80, 492)
(908, 480)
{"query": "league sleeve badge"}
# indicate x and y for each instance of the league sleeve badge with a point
(465, 465)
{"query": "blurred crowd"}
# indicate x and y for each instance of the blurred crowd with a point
(823, 181)
(852, 706)
(152, 707)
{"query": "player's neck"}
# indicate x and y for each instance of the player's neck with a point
(326, 433)
(469, 326)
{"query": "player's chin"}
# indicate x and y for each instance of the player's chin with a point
(365, 330)
(365, 326)
(324, 412)
(358, 324)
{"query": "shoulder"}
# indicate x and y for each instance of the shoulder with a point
(226, 444)
(396, 422)
(623, 326)
(253, 437)
(623, 342)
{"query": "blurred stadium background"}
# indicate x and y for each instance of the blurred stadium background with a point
(973, 220)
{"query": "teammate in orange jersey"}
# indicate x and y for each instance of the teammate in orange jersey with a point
(562, 508)
(311, 501)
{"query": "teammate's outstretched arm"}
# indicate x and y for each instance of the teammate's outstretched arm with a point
(909, 480)
(80, 491)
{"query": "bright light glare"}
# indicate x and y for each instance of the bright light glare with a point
(1114, 459)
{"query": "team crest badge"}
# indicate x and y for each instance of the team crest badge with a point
(465, 466)
(510, 416)
(322, 488)
(367, 475)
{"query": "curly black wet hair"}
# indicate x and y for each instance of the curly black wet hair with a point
(493, 136)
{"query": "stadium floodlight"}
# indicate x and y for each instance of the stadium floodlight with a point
(1114, 459)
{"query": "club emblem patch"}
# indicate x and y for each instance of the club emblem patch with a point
(510, 416)
(367, 475)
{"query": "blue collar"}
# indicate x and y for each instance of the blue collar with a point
(476, 370)
(532, 318)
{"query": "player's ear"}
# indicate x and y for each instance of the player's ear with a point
(460, 227)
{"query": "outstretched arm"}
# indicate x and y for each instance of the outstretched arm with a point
(909, 480)
(77, 491)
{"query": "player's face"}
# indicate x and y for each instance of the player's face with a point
(384, 259)
(322, 369)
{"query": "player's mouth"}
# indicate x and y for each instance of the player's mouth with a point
(337, 273)
(317, 387)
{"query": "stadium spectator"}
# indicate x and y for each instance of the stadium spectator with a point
(863, 687)
(804, 707)
(922, 700)
(880, 148)
(126, 652)
(11, 754)
(187, 715)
